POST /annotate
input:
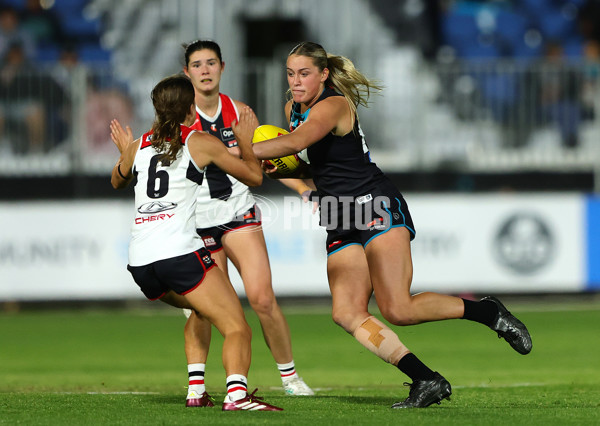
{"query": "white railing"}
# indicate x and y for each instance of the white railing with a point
(501, 117)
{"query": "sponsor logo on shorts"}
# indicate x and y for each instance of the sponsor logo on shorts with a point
(343, 213)
(364, 199)
(376, 224)
(335, 243)
(156, 207)
(209, 241)
(207, 259)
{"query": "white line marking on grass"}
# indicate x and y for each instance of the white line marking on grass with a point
(315, 389)
(483, 385)
(108, 393)
(123, 393)
(559, 307)
(510, 385)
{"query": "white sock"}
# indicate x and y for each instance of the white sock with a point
(287, 371)
(237, 387)
(196, 378)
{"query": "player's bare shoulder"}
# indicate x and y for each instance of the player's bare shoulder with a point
(203, 147)
(239, 105)
(334, 111)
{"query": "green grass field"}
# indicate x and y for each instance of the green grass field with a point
(82, 367)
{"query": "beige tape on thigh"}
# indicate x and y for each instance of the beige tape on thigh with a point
(379, 339)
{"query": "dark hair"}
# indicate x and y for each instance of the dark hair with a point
(194, 46)
(172, 98)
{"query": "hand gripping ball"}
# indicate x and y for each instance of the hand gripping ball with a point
(285, 165)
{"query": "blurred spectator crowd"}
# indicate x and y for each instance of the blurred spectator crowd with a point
(524, 63)
(43, 44)
(547, 56)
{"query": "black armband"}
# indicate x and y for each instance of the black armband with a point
(120, 173)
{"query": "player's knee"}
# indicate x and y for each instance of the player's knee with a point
(263, 304)
(240, 329)
(398, 315)
(345, 319)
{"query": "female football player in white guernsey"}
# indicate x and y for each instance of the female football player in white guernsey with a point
(368, 223)
(229, 223)
(167, 258)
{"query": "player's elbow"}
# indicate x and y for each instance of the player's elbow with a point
(298, 145)
(118, 183)
(114, 182)
(256, 180)
(251, 177)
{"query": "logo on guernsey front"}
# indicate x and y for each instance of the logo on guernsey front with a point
(227, 135)
(156, 207)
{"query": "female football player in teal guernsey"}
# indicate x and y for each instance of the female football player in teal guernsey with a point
(369, 227)
(167, 258)
(229, 222)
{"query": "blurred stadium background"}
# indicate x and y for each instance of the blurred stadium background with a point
(488, 123)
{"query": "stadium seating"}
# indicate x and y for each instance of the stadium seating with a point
(93, 52)
(511, 29)
(79, 30)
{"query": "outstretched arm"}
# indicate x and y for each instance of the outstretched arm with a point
(301, 172)
(123, 139)
(207, 149)
(298, 185)
(304, 187)
(329, 115)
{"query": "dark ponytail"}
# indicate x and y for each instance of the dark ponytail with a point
(172, 98)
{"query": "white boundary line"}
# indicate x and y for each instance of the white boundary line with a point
(107, 393)
(326, 389)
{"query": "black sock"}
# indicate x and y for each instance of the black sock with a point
(414, 368)
(483, 312)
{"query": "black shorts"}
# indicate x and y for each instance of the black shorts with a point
(181, 274)
(212, 236)
(367, 217)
